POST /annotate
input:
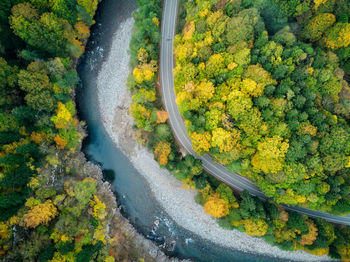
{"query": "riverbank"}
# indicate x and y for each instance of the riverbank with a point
(114, 101)
(141, 246)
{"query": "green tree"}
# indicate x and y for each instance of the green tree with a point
(317, 26)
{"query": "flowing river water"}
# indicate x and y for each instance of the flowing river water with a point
(131, 189)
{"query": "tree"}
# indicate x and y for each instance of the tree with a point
(38, 87)
(40, 214)
(145, 72)
(239, 103)
(225, 193)
(60, 142)
(47, 32)
(142, 116)
(284, 235)
(251, 88)
(163, 132)
(334, 162)
(201, 142)
(270, 155)
(297, 221)
(225, 140)
(162, 116)
(204, 91)
(338, 36)
(161, 152)
(214, 65)
(88, 251)
(241, 28)
(8, 77)
(255, 227)
(216, 206)
(317, 26)
(213, 118)
(285, 37)
(310, 237)
(247, 205)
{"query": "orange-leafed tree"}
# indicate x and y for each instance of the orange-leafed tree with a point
(310, 237)
(60, 142)
(162, 116)
(82, 29)
(40, 214)
(216, 207)
(161, 152)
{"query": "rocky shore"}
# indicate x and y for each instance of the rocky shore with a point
(145, 247)
(114, 101)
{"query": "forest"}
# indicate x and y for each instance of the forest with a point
(223, 73)
(262, 88)
(206, 75)
(54, 206)
(283, 76)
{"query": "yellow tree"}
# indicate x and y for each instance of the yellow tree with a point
(216, 206)
(89, 5)
(204, 91)
(213, 18)
(40, 214)
(270, 154)
(259, 75)
(252, 88)
(239, 104)
(255, 226)
(63, 116)
(145, 72)
(317, 26)
(201, 142)
(214, 65)
(162, 151)
(318, 3)
(99, 208)
(225, 140)
(142, 55)
(188, 31)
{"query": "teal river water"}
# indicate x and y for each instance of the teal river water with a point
(131, 190)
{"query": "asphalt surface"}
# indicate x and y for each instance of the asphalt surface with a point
(178, 127)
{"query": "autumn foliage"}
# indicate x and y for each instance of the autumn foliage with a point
(267, 102)
(40, 214)
(216, 206)
(161, 152)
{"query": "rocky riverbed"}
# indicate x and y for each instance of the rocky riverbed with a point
(114, 101)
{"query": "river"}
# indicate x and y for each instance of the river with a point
(132, 191)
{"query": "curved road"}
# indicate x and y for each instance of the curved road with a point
(179, 129)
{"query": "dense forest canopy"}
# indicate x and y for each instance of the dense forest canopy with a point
(53, 205)
(261, 85)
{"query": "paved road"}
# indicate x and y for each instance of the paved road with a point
(179, 129)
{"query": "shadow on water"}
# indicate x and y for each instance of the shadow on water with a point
(131, 189)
